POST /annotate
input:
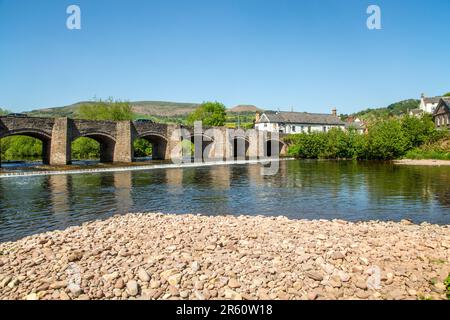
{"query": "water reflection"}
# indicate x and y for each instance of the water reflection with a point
(301, 189)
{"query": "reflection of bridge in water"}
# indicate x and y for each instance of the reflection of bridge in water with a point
(116, 139)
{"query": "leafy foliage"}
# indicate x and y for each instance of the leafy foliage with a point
(85, 149)
(210, 113)
(106, 110)
(387, 139)
(20, 148)
(142, 148)
(3, 112)
(395, 109)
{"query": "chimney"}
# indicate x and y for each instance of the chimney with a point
(257, 116)
(334, 112)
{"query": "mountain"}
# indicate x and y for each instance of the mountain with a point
(244, 108)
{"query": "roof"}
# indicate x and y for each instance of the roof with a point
(416, 111)
(432, 100)
(301, 117)
(444, 101)
(355, 124)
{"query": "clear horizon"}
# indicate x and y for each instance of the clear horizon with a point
(306, 55)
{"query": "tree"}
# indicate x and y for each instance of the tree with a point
(387, 140)
(3, 112)
(106, 110)
(447, 94)
(210, 113)
(142, 148)
(417, 130)
(85, 149)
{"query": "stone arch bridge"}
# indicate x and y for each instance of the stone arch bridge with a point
(116, 138)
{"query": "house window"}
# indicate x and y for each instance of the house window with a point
(309, 129)
(324, 129)
(302, 128)
(293, 128)
(265, 125)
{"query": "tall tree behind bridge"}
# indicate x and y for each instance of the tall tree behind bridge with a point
(210, 113)
(106, 110)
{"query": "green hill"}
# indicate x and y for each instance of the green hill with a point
(395, 109)
(159, 111)
(144, 108)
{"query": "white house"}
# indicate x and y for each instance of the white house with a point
(427, 105)
(297, 122)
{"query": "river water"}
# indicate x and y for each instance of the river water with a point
(301, 190)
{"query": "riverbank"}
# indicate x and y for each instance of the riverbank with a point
(423, 162)
(156, 256)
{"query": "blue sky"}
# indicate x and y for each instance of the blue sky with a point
(308, 55)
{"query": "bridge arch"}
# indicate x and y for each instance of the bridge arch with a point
(205, 147)
(272, 145)
(41, 135)
(106, 141)
(159, 144)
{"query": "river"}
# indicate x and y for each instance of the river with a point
(301, 190)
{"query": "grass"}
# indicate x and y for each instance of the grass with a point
(418, 154)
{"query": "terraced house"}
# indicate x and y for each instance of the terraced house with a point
(298, 122)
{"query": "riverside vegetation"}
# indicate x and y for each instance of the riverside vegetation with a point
(387, 139)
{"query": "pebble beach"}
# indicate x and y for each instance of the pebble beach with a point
(161, 256)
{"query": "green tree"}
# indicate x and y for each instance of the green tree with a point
(106, 110)
(387, 140)
(20, 148)
(142, 148)
(417, 130)
(210, 113)
(85, 149)
(447, 94)
(3, 112)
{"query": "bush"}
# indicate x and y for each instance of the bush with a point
(387, 139)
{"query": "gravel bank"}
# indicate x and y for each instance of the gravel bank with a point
(155, 256)
(424, 162)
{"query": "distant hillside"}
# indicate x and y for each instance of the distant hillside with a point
(163, 109)
(244, 108)
(148, 108)
(394, 109)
